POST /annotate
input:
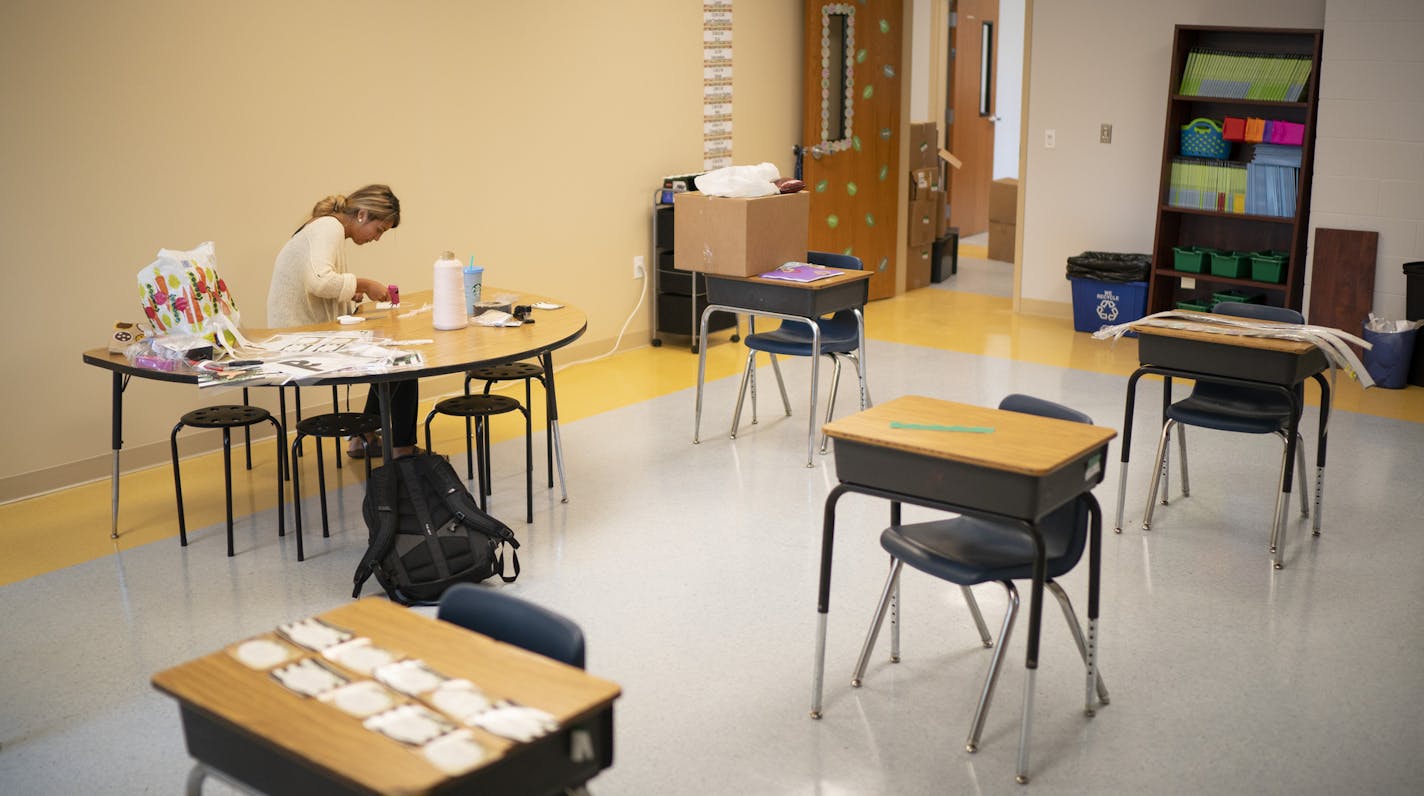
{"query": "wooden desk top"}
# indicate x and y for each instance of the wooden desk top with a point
(845, 277)
(1020, 443)
(448, 351)
(1225, 338)
(218, 685)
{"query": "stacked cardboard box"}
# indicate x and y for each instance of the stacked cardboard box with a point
(926, 214)
(740, 237)
(1003, 218)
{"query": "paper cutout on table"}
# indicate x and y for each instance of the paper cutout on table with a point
(411, 724)
(263, 653)
(361, 699)
(410, 677)
(313, 634)
(454, 753)
(495, 318)
(546, 305)
(309, 677)
(516, 722)
(359, 655)
(460, 699)
(801, 272)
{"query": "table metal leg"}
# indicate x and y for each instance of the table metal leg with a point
(383, 392)
(1035, 621)
(823, 597)
(1323, 428)
(551, 403)
(701, 373)
(117, 435)
(815, 382)
(865, 402)
(1126, 447)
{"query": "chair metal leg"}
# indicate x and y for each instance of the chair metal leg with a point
(981, 712)
(1182, 449)
(1157, 474)
(281, 472)
(1077, 630)
(781, 384)
(336, 441)
(247, 432)
(876, 621)
(978, 617)
(742, 393)
(178, 487)
(831, 400)
(1300, 476)
(528, 465)
(227, 484)
(321, 487)
(294, 470)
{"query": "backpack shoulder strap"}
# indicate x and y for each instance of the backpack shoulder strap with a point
(462, 504)
(385, 494)
(415, 472)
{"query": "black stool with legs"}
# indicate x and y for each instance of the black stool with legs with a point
(227, 417)
(334, 424)
(527, 372)
(481, 408)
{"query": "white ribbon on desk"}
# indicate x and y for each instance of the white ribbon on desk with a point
(1331, 342)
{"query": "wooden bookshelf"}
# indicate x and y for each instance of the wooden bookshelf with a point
(1182, 226)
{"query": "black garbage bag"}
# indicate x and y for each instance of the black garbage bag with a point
(1110, 266)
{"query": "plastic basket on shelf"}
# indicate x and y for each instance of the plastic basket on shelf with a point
(1195, 305)
(1236, 265)
(1269, 266)
(1189, 258)
(1201, 138)
(1236, 295)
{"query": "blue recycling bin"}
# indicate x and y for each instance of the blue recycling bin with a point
(1097, 304)
(1388, 361)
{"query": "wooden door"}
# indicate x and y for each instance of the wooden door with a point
(970, 121)
(852, 165)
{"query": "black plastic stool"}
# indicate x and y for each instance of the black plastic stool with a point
(334, 424)
(481, 408)
(227, 417)
(526, 372)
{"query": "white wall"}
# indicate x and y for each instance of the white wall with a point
(1098, 61)
(1369, 145)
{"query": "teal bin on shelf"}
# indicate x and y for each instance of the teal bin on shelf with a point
(1098, 304)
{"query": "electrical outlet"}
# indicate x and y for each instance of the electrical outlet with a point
(1050, 139)
(638, 268)
(1105, 133)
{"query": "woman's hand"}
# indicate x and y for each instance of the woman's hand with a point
(370, 288)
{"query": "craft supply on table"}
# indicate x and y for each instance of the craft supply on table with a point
(936, 427)
(449, 311)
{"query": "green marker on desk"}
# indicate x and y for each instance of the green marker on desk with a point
(931, 427)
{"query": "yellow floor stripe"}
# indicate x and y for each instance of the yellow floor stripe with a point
(50, 532)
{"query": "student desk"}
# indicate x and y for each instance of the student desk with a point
(1027, 467)
(449, 352)
(800, 302)
(1233, 359)
(243, 723)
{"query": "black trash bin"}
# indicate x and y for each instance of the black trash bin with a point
(1414, 311)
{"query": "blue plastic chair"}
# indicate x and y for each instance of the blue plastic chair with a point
(840, 339)
(967, 551)
(504, 617)
(1228, 407)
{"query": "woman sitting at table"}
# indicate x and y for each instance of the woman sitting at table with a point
(310, 284)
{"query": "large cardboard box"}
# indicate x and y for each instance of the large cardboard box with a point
(739, 237)
(1001, 241)
(918, 273)
(924, 145)
(1004, 201)
(925, 183)
(922, 222)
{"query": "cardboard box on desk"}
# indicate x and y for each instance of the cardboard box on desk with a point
(739, 237)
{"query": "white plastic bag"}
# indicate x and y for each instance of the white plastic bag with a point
(740, 181)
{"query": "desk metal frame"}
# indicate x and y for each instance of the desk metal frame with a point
(978, 490)
(799, 302)
(1233, 361)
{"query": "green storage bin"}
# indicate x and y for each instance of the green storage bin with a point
(1236, 295)
(1189, 258)
(1195, 305)
(1236, 265)
(1269, 266)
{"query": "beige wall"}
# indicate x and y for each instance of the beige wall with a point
(529, 134)
(1099, 61)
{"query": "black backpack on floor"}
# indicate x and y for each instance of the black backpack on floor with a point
(427, 532)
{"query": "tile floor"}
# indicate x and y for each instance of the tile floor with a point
(692, 570)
